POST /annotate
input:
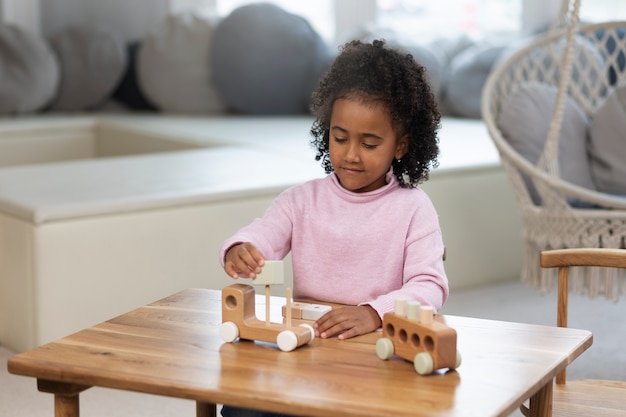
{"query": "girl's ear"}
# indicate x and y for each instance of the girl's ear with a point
(402, 147)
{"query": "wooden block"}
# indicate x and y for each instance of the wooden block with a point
(314, 311)
(307, 311)
(273, 272)
(296, 310)
(288, 308)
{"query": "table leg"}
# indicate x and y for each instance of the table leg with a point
(66, 406)
(541, 402)
(205, 409)
(66, 402)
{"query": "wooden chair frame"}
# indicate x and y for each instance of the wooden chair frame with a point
(608, 398)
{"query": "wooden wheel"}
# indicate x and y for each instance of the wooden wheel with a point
(287, 340)
(384, 348)
(423, 363)
(229, 331)
(458, 360)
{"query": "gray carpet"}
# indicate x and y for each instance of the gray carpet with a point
(509, 301)
(605, 359)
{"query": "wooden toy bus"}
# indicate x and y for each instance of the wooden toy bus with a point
(412, 333)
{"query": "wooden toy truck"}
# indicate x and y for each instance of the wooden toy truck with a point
(412, 333)
(239, 321)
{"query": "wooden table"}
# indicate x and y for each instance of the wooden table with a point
(172, 348)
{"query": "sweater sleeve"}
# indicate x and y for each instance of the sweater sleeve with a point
(270, 234)
(424, 278)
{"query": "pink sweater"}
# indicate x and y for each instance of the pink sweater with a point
(354, 248)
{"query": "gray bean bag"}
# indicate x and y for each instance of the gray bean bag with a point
(93, 61)
(267, 61)
(173, 66)
(466, 78)
(29, 72)
(434, 64)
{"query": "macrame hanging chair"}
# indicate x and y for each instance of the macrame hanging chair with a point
(584, 63)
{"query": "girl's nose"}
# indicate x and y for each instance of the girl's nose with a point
(352, 153)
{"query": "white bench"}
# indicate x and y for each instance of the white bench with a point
(91, 225)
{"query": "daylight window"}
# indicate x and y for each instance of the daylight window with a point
(427, 19)
(422, 20)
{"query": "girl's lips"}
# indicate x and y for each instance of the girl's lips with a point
(350, 170)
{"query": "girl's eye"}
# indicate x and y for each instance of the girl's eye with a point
(368, 146)
(340, 140)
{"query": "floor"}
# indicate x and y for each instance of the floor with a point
(510, 301)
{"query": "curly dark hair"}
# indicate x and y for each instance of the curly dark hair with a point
(378, 73)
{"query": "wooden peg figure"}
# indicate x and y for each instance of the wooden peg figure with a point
(273, 272)
(288, 308)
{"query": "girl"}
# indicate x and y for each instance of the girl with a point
(365, 234)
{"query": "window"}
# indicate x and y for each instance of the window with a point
(427, 19)
(602, 10)
(424, 19)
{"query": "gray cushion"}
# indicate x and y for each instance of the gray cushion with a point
(466, 78)
(433, 63)
(525, 121)
(267, 61)
(29, 72)
(93, 61)
(450, 46)
(173, 66)
(607, 146)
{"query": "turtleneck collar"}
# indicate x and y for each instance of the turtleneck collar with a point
(392, 183)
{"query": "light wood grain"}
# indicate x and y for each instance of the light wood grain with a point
(172, 347)
(613, 258)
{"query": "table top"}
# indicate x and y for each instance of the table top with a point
(172, 347)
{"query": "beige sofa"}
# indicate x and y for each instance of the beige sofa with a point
(100, 214)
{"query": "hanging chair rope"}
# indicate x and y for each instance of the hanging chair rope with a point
(549, 160)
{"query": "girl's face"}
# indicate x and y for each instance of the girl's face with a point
(362, 144)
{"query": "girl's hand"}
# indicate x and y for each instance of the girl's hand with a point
(347, 322)
(243, 261)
